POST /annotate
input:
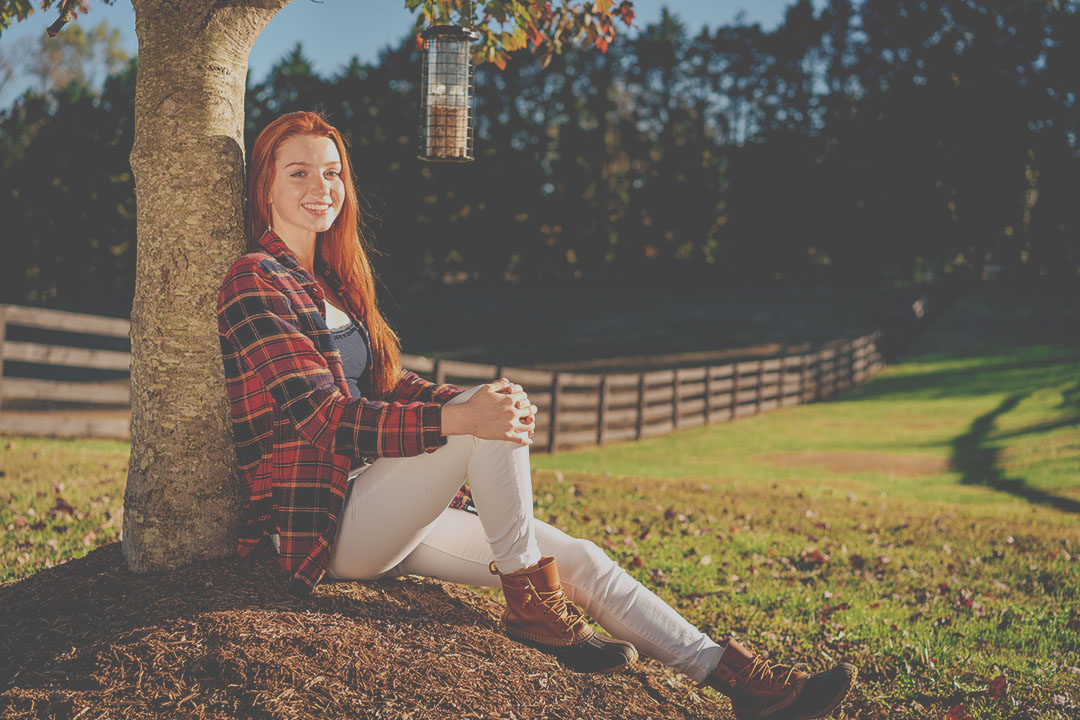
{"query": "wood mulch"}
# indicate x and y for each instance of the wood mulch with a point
(89, 639)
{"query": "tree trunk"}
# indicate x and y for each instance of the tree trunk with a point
(182, 501)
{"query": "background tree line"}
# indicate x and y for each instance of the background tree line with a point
(869, 143)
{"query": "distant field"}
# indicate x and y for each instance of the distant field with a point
(925, 527)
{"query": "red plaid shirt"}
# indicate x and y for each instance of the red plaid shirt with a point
(297, 430)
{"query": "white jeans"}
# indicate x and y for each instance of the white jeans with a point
(395, 521)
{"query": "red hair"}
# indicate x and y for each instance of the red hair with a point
(342, 246)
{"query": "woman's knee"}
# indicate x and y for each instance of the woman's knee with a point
(464, 397)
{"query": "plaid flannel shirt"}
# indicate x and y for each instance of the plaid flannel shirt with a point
(297, 430)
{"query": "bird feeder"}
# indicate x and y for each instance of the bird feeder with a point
(446, 94)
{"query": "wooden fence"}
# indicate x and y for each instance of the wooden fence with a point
(576, 409)
(579, 409)
(115, 393)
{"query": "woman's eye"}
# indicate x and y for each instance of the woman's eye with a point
(333, 173)
(298, 173)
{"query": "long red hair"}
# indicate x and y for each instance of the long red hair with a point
(342, 246)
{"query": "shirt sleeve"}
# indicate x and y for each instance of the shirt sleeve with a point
(411, 386)
(256, 317)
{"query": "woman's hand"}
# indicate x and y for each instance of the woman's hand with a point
(497, 411)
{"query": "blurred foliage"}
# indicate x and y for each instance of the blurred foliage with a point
(871, 143)
(504, 26)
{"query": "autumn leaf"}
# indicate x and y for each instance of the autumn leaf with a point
(63, 507)
(964, 599)
(814, 556)
(999, 687)
(536, 37)
(958, 712)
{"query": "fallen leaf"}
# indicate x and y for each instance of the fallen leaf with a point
(63, 507)
(814, 556)
(958, 712)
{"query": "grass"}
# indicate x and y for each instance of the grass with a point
(924, 527)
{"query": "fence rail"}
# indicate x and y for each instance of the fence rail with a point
(579, 409)
(576, 409)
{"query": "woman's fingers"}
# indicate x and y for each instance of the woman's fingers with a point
(518, 438)
(503, 385)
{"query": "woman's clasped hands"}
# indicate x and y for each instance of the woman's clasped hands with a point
(499, 410)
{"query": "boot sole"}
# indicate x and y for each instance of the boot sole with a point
(835, 703)
(556, 650)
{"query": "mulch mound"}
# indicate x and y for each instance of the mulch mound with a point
(89, 639)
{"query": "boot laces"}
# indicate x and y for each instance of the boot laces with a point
(768, 672)
(559, 605)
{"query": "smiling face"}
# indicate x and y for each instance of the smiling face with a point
(307, 191)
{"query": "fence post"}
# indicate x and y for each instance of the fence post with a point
(759, 391)
(708, 394)
(850, 347)
(675, 399)
(817, 375)
(803, 369)
(734, 409)
(439, 372)
(640, 405)
(553, 431)
(601, 411)
(3, 332)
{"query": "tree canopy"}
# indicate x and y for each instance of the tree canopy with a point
(869, 143)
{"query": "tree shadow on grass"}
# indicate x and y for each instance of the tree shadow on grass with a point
(979, 463)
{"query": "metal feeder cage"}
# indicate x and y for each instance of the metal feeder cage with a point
(446, 94)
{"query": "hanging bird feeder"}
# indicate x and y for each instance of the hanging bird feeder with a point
(446, 94)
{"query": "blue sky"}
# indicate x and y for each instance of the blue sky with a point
(332, 31)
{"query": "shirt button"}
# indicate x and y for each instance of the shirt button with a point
(316, 291)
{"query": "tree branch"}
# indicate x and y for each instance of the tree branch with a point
(67, 11)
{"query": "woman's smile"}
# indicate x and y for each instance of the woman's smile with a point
(318, 209)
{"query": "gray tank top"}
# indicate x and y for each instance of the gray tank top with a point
(352, 342)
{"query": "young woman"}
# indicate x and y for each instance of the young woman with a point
(355, 466)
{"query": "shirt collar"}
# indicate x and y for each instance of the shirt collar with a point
(273, 244)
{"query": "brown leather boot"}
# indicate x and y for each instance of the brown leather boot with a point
(761, 690)
(539, 614)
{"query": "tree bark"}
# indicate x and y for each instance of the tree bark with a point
(183, 497)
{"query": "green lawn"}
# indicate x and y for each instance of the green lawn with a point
(925, 527)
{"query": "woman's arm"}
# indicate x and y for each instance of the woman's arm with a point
(256, 317)
(411, 386)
